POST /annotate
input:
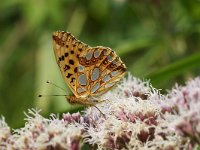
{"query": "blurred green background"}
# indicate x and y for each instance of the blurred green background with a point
(157, 40)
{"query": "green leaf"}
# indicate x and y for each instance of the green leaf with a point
(175, 69)
(132, 46)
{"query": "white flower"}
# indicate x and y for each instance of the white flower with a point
(134, 115)
(4, 132)
(186, 101)
(42, 133)
(133, 121)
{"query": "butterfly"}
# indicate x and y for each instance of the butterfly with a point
(88, 71)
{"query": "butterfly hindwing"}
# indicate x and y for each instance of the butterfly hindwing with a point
(102, 68)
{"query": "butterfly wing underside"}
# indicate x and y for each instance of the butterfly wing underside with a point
(88, 71)
(99, 70)
(67, 50)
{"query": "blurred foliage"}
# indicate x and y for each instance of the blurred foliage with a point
(157, 40)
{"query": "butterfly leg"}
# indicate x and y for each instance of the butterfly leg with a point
(100, 111)
(83, 101)
(96, 100)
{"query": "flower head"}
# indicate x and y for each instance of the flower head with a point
(186, 100)
(4, 132)
(132, 121)
(42, 133)
(133, 116)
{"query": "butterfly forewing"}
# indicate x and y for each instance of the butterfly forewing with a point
(88, 71)
(67, 50)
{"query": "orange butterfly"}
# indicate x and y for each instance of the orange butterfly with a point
(88, 71)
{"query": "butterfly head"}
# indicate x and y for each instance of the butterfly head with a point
(70, 99)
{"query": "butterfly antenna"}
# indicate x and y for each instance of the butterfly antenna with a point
(55, 85)
(50, 95)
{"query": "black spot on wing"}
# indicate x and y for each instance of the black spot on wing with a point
(71, 62)
(66, 54)
(76, 69)
(61, 58)
(69, 75)
(67, 67)
(72, 80)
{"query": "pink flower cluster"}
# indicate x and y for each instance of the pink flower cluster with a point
(135, 116)
(186, 105)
